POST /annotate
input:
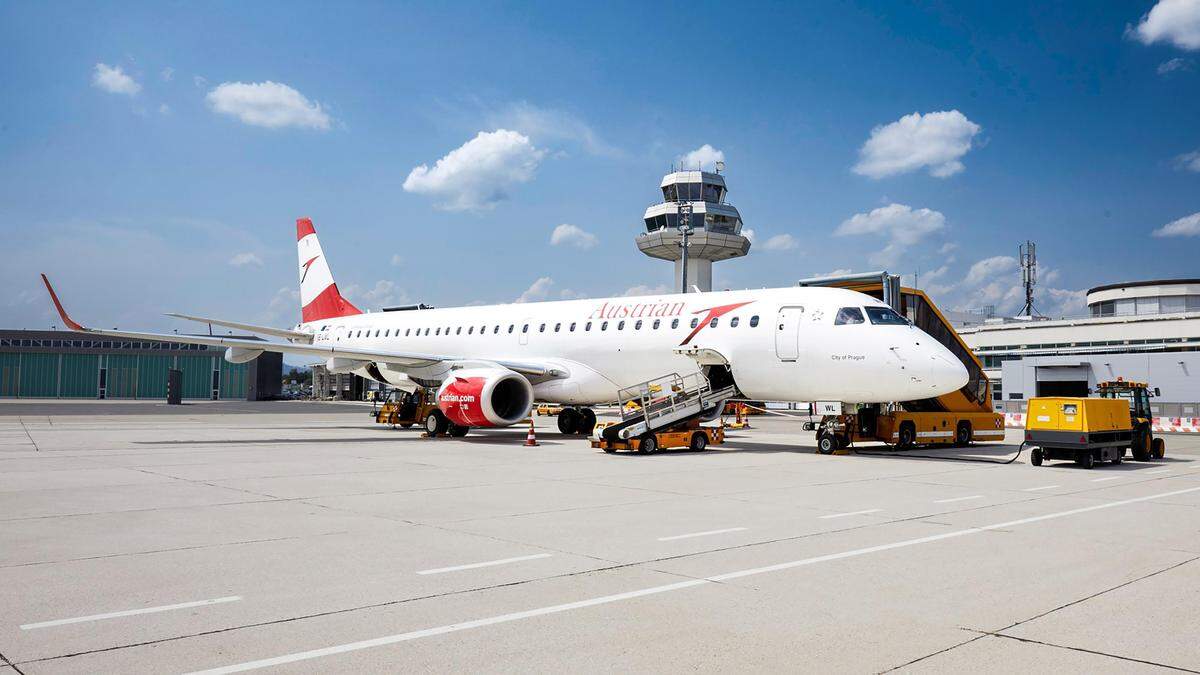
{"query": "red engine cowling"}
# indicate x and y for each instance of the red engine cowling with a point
(485, 397)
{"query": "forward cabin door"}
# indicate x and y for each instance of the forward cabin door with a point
(787, 333)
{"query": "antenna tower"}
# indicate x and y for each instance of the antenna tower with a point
(1028, 258)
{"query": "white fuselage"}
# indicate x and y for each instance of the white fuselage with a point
(781, 344)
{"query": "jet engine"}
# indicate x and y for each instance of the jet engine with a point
(485, 397)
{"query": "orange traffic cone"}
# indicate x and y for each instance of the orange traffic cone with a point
(530, 438)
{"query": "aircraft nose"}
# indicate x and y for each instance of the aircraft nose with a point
(947, 373)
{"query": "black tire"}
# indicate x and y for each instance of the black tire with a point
(699, 441)
(649, 444)
(436, 423)
(406, 425)
(457, 431)
(962, 435)
(610, 450)
(1119, 457)
(907, 437)
(1086, 459)
(827, 444)
(1037, 456)
(587, 422)
(1141, 446)
(568, 421)
(1158, 448)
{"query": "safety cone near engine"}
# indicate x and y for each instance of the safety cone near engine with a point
(531, 438)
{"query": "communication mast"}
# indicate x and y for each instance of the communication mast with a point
(1028, 257)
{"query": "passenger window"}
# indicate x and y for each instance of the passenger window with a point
(496, 329)
(657, 323)
(713, 323)
(674, 323)
(482, 330)
(557, 327)
(510, 327)
(733, 322)
(406, 331)
(695, 322)
(470, 330)
(620, 325)
(638, 325)
(376, 332)
(438, 331)
(458, 331)
(588, 326)
(572, 328)
(525, 328)
(885, 316)
(847, 316)
(754, 321)
(603, 325)
(542, 328)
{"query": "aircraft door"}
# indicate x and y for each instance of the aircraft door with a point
(787, 333)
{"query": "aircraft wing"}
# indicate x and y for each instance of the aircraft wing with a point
(263, 330)
(399, 359)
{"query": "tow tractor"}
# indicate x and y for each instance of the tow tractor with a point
(1144, 444)
(667, 414)
(404, 409)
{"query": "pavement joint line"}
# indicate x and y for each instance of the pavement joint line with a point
(1087, 651)
(129, 612)
(850, 513)
(956, 499)
(656, 590)
(702, 534)
(489, 563)
(1044, 487)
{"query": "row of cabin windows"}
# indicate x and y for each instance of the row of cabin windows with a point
(733, 323)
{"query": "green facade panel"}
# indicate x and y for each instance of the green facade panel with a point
(122, 377)
(197, 376)
(233, 379)
(10, 374)
(80, 376)
(39, 375)
(152, 376)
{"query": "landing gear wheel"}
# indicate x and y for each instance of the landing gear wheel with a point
(457, 431)
(649, 444)
(827, 444)
(962, 435)
(568, 421)
(908, 436)
(587, 421)
(1086, 459)
(1037, 456)
(436, 424)
(1158, 448)
(699, 441)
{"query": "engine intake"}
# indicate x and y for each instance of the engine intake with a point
(485, 397)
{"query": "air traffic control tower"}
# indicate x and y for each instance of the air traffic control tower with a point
(693, 227)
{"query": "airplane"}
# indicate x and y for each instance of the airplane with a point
(490, 363)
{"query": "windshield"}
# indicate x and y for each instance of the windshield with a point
(885, 316)
(848, 315)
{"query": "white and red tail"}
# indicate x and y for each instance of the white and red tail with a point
(319, 297)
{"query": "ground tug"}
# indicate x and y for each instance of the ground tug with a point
(1091, 430)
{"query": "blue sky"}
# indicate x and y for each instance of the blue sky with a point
(155, 156)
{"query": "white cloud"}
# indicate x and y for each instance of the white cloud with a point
(200, 81)
(1187, 226)
(937, 140)
(748, 233)
(397, 260)
(572, 235)
(167, 74)
(900, 224)
(1189, 161)
(568, 294)
(383, 294)
(781, 242)
(839, 272)
(479, 174)
(537, 291)
(705, 157)
(164, 109)
(661, 289)
(1173, 21)
(547, 125)
(286, 300)
(267, 104)
(244, 259)
(1172, 65)
(947, 247)
(988, 268)
(114, 80)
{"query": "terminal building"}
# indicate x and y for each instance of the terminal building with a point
(1147, 331)
(64, 364)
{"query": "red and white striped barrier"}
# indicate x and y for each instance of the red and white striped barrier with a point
(1171, 425)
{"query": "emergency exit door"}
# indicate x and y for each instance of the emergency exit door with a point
(787, 333)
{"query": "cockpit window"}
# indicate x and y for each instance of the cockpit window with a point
(848, 315)
(885, 316)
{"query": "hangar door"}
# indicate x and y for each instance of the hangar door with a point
(1062, 380)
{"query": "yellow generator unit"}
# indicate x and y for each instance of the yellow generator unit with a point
(1083, 430)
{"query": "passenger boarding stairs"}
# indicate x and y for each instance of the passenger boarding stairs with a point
(664, 402)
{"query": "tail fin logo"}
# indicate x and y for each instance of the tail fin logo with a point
(713, 313)
(307, 265)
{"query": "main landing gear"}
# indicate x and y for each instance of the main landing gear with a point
(576, 421)
(436, 425)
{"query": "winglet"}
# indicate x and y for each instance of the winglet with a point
(58, 305)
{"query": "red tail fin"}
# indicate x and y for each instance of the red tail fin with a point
(319, 296)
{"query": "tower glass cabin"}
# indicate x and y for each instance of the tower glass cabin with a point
(716, 226)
